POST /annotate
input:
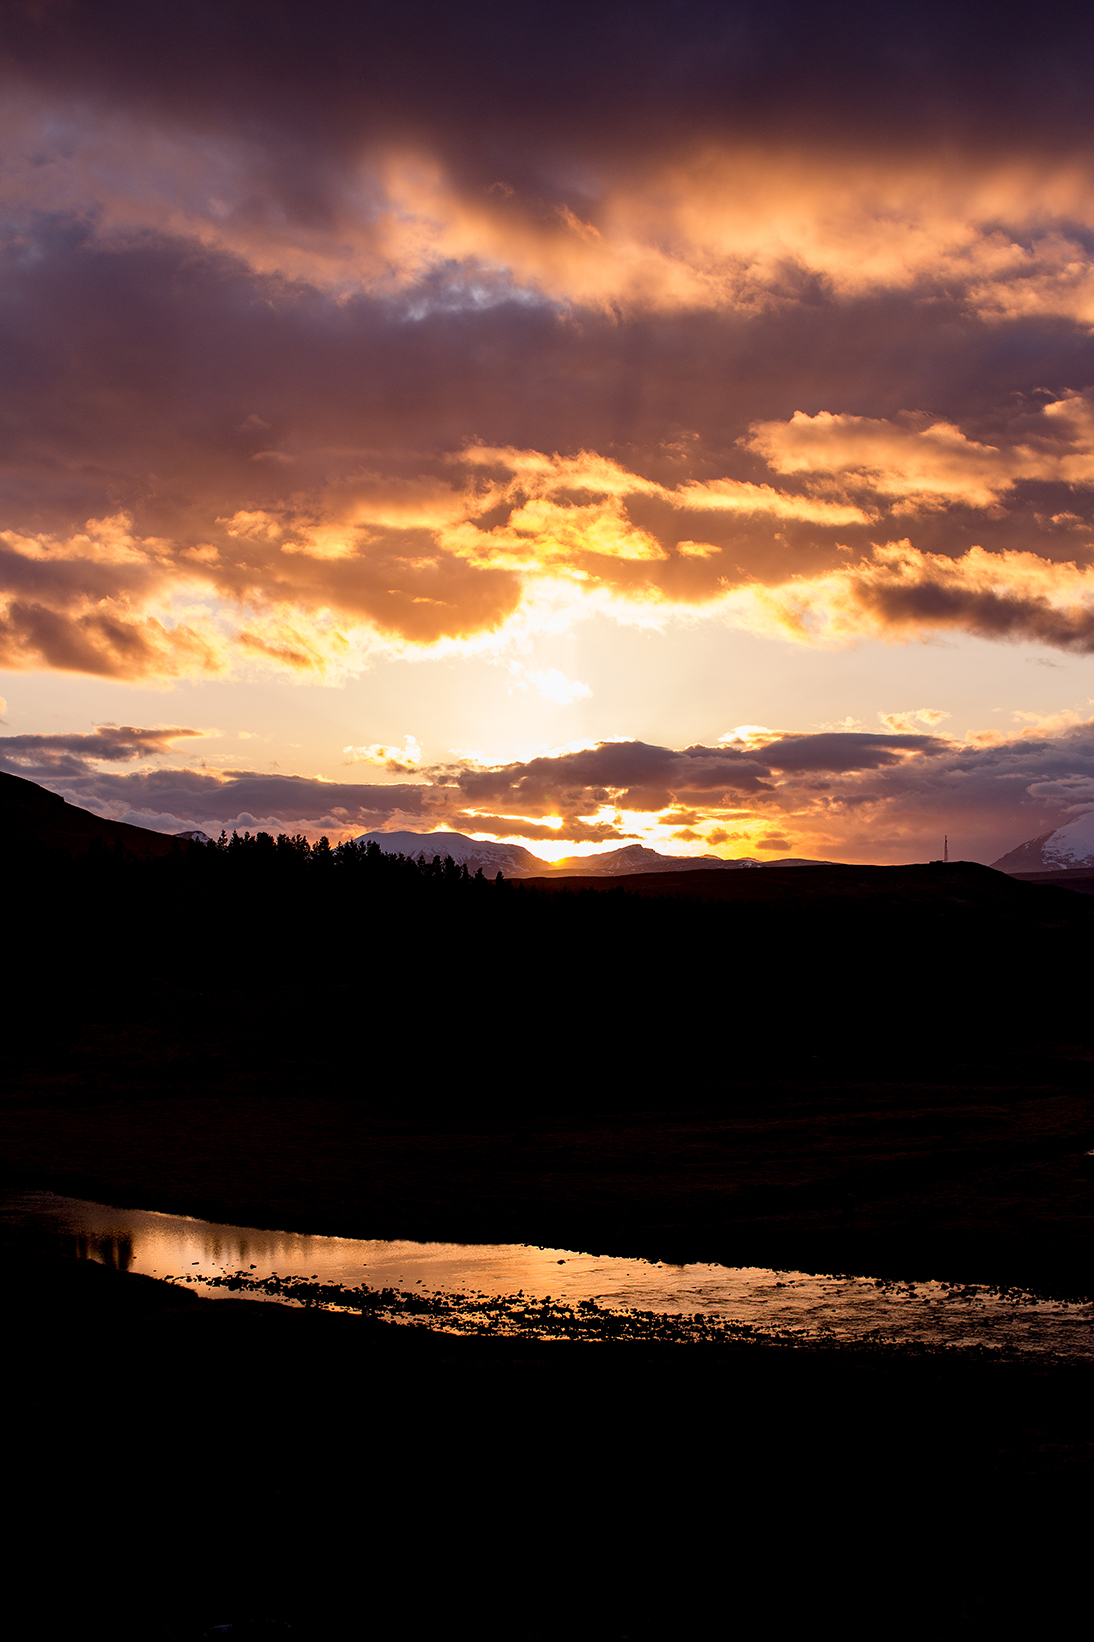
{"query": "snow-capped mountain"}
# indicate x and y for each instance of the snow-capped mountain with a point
(510, 859)
(1069, 846)
(516, 862)
(194, 835)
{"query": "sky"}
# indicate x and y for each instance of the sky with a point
(570, 425)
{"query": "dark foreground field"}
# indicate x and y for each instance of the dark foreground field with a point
(884, 1071)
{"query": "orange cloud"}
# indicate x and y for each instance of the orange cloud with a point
(483, 551)
(915, 718)
(275, 593)
(930, 463)
(107, 638)
(396, 760)
(899, 592)
(721, 223)
(319, 583)
(741, 227)
(102, 541)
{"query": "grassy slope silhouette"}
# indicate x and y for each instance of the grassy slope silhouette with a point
(36, 820)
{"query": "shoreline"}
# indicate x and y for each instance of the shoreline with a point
(782, 1189)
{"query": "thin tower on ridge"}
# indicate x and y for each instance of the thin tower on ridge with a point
(946, 848)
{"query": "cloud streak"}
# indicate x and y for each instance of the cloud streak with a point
(931, 464)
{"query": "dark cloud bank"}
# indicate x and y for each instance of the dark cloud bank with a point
(563, 76)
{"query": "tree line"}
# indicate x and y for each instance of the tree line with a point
(603, 987)
(358, 856)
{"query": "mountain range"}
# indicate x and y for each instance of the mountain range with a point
(1069, 846)
(514, 861)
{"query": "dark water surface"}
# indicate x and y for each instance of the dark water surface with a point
(514, 1288)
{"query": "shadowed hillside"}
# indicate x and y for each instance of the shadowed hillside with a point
(1073, 879)
(941, 887)
(32, 818)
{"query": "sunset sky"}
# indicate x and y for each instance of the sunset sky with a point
(577, 425)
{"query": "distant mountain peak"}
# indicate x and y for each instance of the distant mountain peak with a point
(514, 861)
(509, 859)
(632, 858)
(1071, 845)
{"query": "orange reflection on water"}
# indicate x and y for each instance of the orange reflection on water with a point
(789, 1304)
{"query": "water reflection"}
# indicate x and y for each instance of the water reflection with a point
(509, 1285)
(109, 1249)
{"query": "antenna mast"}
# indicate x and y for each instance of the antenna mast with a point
(946, 848)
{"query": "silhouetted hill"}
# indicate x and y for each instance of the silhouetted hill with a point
(32, 817)
(1077, 880)
(636, 859)
(957, 886)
